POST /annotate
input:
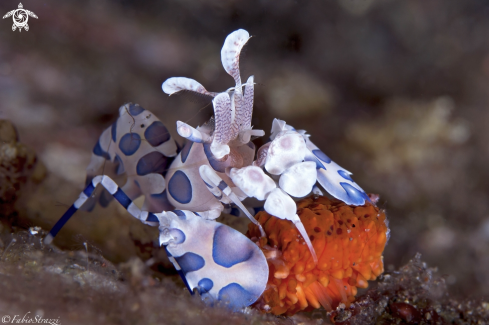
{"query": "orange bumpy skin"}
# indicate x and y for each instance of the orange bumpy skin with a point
(348, 240)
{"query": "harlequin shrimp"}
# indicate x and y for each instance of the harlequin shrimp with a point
(214, 172)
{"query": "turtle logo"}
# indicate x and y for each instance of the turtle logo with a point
(20, 17)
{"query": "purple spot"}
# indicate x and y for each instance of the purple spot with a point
(237, 296)
(205, 285)
(135, 109)
(153, 162)
(130, 143)
(190, 262)
(152, 218)
(222, 185)
(356, 197)
(113, 131)
(120, 165)
(321, 155)
(98, 151)
(230, 247)
(181, 215)
(180, 187)
(178, 235)
(186, 151)
(156, 134)
(345, 175)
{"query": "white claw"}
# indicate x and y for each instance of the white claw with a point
(287, 149)
(280, 205)
(299, 179)
(300, 227)
(253, 181)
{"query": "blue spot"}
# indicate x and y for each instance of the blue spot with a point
(236, 296)
(180, 187)
(178, 235)
(113, 131)
(135, 109)
(190, 262)
(137, 184)
(345, 175)
(222, 185)
(98, 151)
(120, 165)
(251, 145)
(156, 134)
(310, 157)
(130, 143)
(122, 198)
(218, 166)
(205, 285)
(209, 186)
(321, 155)
(230, 247)
(186, 151)
(153, 162)
(152, 217)
(357, 197)
(181, 215)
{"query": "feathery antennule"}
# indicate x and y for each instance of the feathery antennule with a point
(236, 104)
(223, 118)
(176, 84)
(246, 111)
(230, 54)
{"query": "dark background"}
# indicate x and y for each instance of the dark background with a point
(393, 91)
